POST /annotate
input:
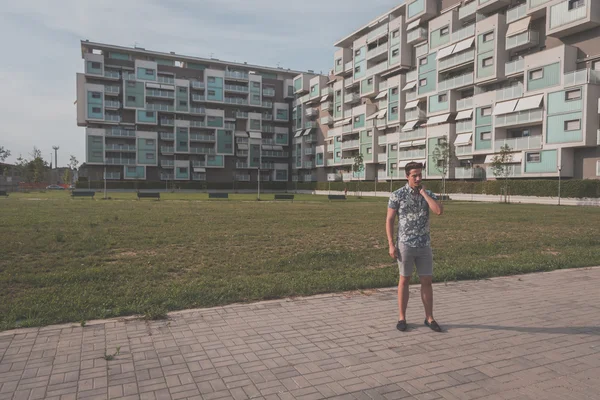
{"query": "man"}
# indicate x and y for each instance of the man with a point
(412, 203)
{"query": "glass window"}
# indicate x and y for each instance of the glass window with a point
(488, 62)
(485, 135)
(444, 31)
(536, 74)
(486, 111)
(574, 94)
(488, 37)
(533, 157)
(573, 125)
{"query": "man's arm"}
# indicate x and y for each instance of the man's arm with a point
(389, 230)
(435, 205)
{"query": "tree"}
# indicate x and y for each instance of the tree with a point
(443, 156)
(73, 163)
(32, 170)
(357, 168)
(501, 169)
(4, 154)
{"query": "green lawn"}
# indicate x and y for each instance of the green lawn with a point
(72, 260)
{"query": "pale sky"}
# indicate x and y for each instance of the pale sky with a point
(39, 43)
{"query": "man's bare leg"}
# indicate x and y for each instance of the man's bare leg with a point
(403, 292)
(427, 296)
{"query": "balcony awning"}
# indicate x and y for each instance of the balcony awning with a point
(382, 113)
(343, 122)
(463, 139)
(412, 104)
(445, 52)
(409, 126)
(517, 157)
(464, 45)
(372, 116)
(403, 145)
(324, 98)
(381, 94)
(307, 132)
(410, 86)
(277, 148)
(517, 27)
(299, 133)
(241, 134)
(420, 142)
(413, 24)
(489, 159)
(529, 103)
(438, 119)
(466, 114)
(198, 169)
(255, 135)
(505, 107)
(242, 146)
(267, 147)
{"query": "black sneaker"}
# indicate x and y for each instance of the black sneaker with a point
(401, 325)
(433, 325)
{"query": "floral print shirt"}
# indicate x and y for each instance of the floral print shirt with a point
(413, 216)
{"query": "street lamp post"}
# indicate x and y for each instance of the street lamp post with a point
(392, 179)
(259, 165)
(559, 169)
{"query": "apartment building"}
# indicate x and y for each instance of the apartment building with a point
(478, 74)
(166, 117)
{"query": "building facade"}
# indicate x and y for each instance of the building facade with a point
(477, 75)
(165, 117)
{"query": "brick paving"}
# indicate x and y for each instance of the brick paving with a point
(525, 337)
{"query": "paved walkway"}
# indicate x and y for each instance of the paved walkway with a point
(527, 337)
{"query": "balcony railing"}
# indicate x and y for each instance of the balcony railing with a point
(120, 147)
(112, 74)
(381, 31)
(382, 158)
(463, 150)
(326, 106)
(112, 89)
(509, 92)
(120, 161)
(420, 133)
(381, 49)
(457, 59)
(326, 91)
(411, 154)
(309, 152)
(411, 75)
(236, 88)
(118, 132)
(167, 136)
(198, 124)
(198, 110)
(201, 138)
(351, 98)
(311, 125)
(582, 76)
(522, 143)
(464, 103)
(166, 177)
(463, 173)
(269, 92)
(236, 75)
(198, 97)
(382, 140)
(462, 80)
(328, 120)
(198, 85)
(112, 117)
(198, 176)
(464, 126)
(202, 150)
(241, 114)
(516, 13)
(159, 107)
(522, 117)
(167, 149)
(269, 153)
(348, 66)
(421, 50)
(528, 38)
(467, 10)
(378, 68)
(235, 100)
(311, 112)
(514, 67)
(167, 122)
(537, 3)
(267, 117)
(414, 114)
(350, 144)
(411, 95)
(560, 14)
(349, 82)
(165, 79)
(513, 170)
(416, 34)
(112, 104)
(463, 33)
(112, 175)
(160, 93)
(310, 138)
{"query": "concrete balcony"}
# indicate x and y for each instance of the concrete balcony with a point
(514, 170)
(421, 49)
(416, 36)
(236, 88)
(112, 90)
(411, 75)
(350, 144)
(351, 98)
(463, 150)
(309, 152)
(378, 52)
(456, 60)
(463, 33)
(198, 137)
(529, 117)
(196, 176)
(268, 92)
(382, 157)
(202, 150)
(167, 163)
(464, 126)
(508, 93)
(159, 107)
(311, 112)
(112, 118)
(235, 100)
(348, 67)
(522, 143)
(415, 113)
(167, 94)
(198, 97)
(310, 139)
(118, 132)
(120, 161)
(167, 136)
(488, 6)
(581, 76)
(572, 16)
(236, 75)
(453, 83)
(514, 67)
(198, 124)
(377, 69)
(420, 133)
(327, 91)
(198, 110)
(112, 74)
(523, 41)
(311, 125)
(328, 105)
(198, 85)
(464, 173)
(328, 120)
(112, 104)
(377, 33)
(382, 140)
(349, 82)
(121, 148)
(165, 79)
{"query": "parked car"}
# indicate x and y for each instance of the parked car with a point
(54, 187)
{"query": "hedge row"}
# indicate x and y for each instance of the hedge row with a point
(573, 188)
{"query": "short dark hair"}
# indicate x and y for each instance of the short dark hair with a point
(412, 165)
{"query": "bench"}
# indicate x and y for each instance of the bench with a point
(83, 193)
(336, 197)
(3, 193)
(284, 197)
(148, 195)
(218, 195)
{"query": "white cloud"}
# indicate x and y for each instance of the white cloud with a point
(43, 44)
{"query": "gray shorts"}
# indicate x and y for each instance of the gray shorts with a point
(408, 257)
